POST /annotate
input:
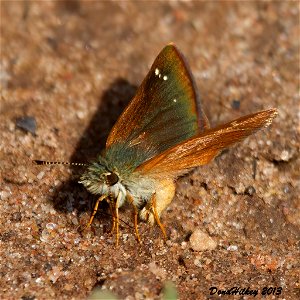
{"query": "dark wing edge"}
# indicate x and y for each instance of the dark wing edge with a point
(203, 122)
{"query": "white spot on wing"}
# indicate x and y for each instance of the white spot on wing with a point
(157, 73)
(175, 100)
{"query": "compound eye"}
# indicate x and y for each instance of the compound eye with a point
(112, 179)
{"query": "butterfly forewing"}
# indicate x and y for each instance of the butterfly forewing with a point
(166, 109)
(201, 149)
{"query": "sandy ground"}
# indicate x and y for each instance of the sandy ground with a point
(72, 66)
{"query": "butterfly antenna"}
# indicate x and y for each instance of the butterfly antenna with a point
(43, 162)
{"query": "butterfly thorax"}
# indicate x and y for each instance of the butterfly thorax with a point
(113, 174)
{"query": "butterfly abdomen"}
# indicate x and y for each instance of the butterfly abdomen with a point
(164, 194)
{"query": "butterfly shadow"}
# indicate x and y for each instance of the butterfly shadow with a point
(70, 195)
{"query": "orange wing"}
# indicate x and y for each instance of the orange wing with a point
(166, 109)
(201, 149)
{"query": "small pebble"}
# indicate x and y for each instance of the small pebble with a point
(27, 123)
(236, 104)
(4, 195)
(201, 241)
(157, 271)
(250, 190)
(232, 248)
(40, 175)
(285, 155)
(51, 226)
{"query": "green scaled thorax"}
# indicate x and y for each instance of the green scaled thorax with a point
(118, 158)
(123, 159)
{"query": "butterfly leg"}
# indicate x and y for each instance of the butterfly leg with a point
(130, 199)
(163, 196)
(116, 218)
(117, 224)
(112, 211)
(94, 211)
(156, 216)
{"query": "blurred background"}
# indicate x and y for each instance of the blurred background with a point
(68, 69)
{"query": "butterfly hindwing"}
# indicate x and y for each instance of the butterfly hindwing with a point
(201, 149)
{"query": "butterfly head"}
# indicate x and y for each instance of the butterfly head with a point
(99, 178)
(111, 178)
